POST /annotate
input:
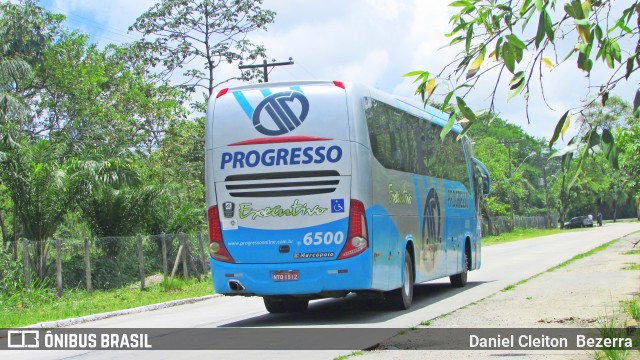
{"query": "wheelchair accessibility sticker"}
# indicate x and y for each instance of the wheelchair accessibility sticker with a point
(337, 205)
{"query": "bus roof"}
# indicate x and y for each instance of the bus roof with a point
(409, 105)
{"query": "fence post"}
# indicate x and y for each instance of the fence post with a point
(202, 253)
(175, 263)
(59, 267)
(185, 271)
(141, 257)
(163, 240)
(27, 271)
(87, 264)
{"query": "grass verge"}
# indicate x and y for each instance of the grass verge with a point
(519, 234)
(42, 304)
(614, 327)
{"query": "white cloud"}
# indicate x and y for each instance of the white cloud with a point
(366, 70)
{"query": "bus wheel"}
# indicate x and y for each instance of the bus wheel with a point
(460, 280)
(274, 306)
(401, 299)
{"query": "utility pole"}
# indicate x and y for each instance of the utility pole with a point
(265, 66)
(546, 195)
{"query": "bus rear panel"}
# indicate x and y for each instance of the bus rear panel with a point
(279, 167)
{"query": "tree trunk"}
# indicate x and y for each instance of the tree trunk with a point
(491, 227)
(5, 237)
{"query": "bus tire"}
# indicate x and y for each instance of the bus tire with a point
(401, 299)
(274, 306)
(460, 280)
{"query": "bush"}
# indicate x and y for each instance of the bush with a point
(11, 277)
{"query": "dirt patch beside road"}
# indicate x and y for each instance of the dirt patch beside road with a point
(580, 294)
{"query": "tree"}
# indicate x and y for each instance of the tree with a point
(201, 34)
(36, 181)
(498, 37)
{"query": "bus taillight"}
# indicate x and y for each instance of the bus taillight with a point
(216, 246)
(357, 241)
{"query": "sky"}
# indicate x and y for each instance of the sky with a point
(373, 42)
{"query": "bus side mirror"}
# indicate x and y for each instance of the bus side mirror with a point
(484, 176)
(485, 188)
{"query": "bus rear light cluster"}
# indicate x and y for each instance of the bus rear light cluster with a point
(216, 246)
(357, 241)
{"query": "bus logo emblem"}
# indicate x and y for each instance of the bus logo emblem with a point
(280, 118)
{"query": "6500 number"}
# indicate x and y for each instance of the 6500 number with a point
(327, 238)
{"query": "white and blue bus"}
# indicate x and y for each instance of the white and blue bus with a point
(320, 189)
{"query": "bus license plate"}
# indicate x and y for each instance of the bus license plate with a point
(285, 275)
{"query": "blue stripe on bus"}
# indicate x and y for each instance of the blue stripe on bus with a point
(265, 92)
(297, 88)
(244, 104)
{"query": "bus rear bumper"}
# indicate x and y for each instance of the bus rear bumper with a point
(313, 278)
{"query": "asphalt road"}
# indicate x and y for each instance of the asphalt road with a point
(502, 265)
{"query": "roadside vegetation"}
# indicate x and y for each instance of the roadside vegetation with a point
(519, 234)
(42, 304)
(612, 326)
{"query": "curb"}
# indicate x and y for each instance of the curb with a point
(107, 315)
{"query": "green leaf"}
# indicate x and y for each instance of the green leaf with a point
(548, 26)
(415, 73)
(586, 8)
(541, 30)
(447, 98)
(577, 9)
(525, 7)
(594, 139)
(468, 39)
(566, 126)
(465, 109)
(461, 3)
(516, 85)
(620, 24)
(605, 97)
(607, 136)
(584, 62)
(629, 68)
(569, 10)
(539, 5)
(559, 126)
(583, 22)
(516, 80)
(599, 33)
(516, 42)
(448, 126)
(508, 57)
(528, 17)
(567, 149)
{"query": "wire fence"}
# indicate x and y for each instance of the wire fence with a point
(502, 224)
(115, 262)
(110, 262)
